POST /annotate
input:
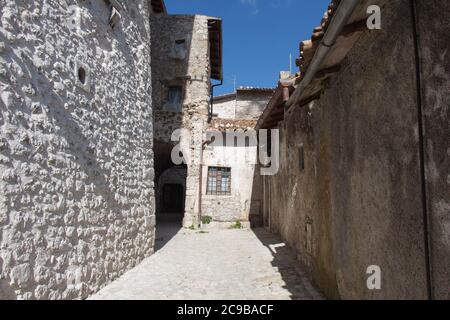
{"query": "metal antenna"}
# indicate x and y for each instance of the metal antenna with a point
(290, 63)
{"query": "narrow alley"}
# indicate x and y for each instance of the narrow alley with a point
(222, 264)
(224, 150)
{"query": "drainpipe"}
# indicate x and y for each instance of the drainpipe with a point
(211, 111)
(204, 144)
(338, 22)
(422, 147)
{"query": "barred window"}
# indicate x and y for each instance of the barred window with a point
(219, 181)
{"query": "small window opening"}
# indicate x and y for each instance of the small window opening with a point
(302, 157)
(180, 42)
(180, 48)
(174, 95)
(180, 45)
(308, 244)
(82, 75)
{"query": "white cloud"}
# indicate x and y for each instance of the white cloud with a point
(277, 4)
(253, 4)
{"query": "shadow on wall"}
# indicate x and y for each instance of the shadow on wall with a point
(284, 259)
(256, 216)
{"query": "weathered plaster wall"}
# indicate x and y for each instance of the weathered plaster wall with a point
(358, 201)
(192, 72)
(434, 29)
(76, 166)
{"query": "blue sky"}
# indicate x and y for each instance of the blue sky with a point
(258, 35)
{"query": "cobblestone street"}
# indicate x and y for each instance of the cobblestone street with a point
(219, 264)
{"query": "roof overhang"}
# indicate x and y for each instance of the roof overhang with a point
(274, 112)
(225, 97)
(215, 48)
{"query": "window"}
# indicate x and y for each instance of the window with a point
(174, 95)
(219, 181)
(180, 45)
(179, 48)
(82, 75)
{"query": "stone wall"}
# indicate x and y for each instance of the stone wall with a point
(76, 160)
(358, 201)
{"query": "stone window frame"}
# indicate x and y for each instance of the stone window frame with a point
(174, 107)
(175, 53)
(215, 181)
(81, 67)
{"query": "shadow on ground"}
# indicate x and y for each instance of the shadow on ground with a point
(293, 274)
(167, 227)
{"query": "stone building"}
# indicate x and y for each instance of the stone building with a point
(231, 188)
(76, 159)
(364, 148)
(186, 58)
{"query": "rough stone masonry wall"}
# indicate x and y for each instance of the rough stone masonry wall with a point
(76, 165)
(358, 201)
